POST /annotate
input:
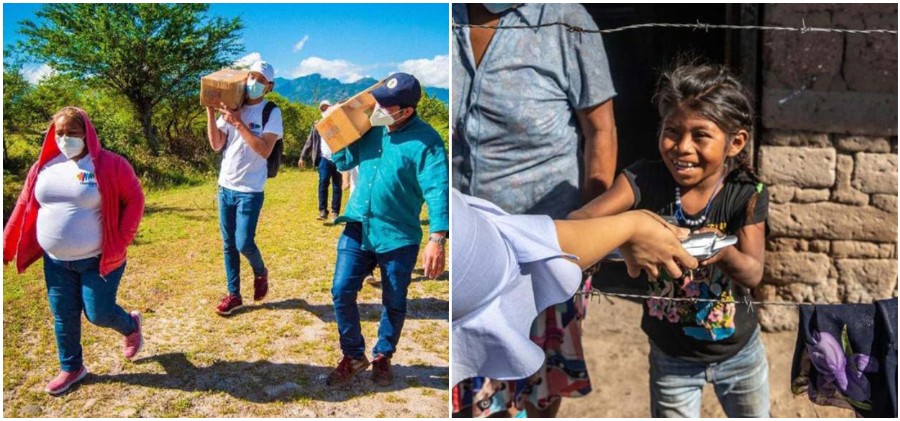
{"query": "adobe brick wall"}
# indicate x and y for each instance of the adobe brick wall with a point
(829, 157)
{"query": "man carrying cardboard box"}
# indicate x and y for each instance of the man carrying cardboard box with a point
(402, 164)
(247, 143)
(320, 154)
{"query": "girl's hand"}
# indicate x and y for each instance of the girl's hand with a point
(656, 243)
(722, 255)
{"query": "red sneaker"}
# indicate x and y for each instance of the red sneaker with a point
(229, 304)
(382, 373)
(346, 369)
(260, 286)
(65, 380)
(135, 340)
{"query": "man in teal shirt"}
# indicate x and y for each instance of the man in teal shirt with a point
(402, 164)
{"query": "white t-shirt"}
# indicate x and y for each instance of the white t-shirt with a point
(243, 169)
(69, 224)
(326, 151)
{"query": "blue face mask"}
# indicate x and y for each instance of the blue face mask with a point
(255, 90)
(498, 8)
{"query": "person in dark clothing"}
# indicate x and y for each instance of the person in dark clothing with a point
(320, 154)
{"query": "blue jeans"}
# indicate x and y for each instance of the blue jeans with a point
(741, 383)
(352, 266)
(328, 171)
(238, 216)
(76, 286)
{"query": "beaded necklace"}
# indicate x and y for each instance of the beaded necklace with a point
(679, 212)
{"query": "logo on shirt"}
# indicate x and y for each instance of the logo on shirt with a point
(255, 128)
(86, 178)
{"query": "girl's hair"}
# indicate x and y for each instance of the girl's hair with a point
(713, 92)
(71, 113)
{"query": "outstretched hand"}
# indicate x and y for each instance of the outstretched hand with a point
(656, 244)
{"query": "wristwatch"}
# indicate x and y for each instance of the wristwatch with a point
(440, 239)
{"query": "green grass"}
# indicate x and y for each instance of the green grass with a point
(197, 364)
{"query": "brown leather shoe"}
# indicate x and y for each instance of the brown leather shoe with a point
(382, 373)
(346, 370)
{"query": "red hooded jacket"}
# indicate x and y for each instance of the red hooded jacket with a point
(121, 205)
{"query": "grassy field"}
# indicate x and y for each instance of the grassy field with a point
(270, 359)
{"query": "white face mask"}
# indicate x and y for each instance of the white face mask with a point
(255, 89)
(70, 146)
(380, 117)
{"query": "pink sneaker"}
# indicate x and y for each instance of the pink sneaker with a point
(135, 340)
(229, 304)
(65, 380)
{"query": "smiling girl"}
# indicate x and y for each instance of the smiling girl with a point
(705, 182)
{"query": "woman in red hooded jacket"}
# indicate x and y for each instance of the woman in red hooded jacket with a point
(80, 209)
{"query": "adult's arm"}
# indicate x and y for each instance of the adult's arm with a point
(433, 180)
(12, 233)
(262, 145)
(598, 124)
(348, 157)
(306, 152)
(646, 241)
(216, 137)
(619, 198)
(131, 201)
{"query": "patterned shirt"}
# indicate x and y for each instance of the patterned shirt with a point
(515, 131)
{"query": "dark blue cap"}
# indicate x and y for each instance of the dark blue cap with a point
(398, 89)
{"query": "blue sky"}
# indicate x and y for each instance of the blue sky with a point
(342, 41)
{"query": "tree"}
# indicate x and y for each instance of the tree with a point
(149, 53)
(436, 113)
(15, 87)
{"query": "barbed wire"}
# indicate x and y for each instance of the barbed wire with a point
(745, 300)
(698, 26)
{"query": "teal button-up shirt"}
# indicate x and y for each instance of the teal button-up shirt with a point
(398, 172)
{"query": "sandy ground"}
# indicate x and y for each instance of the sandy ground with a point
(617, 352)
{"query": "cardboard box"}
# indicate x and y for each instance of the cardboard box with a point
(346, 122)
(226, 85)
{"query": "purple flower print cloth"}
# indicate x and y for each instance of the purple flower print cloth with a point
(846, 356)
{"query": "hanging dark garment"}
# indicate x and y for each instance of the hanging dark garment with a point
(846, 356)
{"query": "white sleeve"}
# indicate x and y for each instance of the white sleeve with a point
(224, 127)
(275, 125)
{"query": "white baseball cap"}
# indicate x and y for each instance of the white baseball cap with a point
(324, 102)
(264, 68)
(506, 270)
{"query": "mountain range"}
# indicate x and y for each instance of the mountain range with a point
(313, 88)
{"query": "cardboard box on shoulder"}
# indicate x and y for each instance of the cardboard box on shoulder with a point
(346, 122)
(225, 86)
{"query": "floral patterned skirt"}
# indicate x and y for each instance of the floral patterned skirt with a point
(564, 374)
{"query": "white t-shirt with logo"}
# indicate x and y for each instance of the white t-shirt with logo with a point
(243, 169)
(69, 224)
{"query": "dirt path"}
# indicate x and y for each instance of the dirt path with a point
(270, 359)
(617, 352)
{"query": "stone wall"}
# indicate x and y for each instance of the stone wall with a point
(829, 156)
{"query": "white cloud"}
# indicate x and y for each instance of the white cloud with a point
(434, 72)
(299, 45)
(247, 60)
(34, 73)
(341, 70)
